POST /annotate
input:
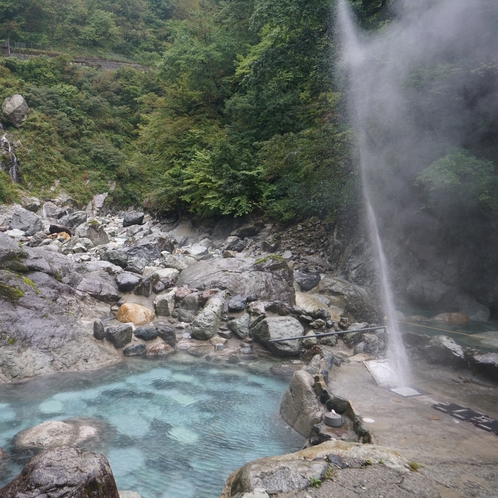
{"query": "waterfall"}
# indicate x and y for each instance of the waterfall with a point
(358, 62)
(7, 150)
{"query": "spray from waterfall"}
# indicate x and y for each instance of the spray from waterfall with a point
(8, 152)
(354, 59)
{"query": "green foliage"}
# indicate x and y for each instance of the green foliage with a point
(315, 482)
(459, 182)
(8, 191)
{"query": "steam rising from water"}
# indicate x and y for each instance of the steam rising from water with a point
(424, 85)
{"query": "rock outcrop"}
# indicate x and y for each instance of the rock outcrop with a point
(15, 110)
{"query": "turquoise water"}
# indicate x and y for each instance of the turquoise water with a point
(176, 430)
(480, 335)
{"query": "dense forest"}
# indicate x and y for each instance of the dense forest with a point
(239, 107)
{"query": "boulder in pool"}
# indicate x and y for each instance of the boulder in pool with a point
(61, 472)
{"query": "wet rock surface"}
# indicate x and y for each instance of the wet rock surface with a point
(61, 472)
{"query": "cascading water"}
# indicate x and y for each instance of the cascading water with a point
(355, 60)
(7, 151)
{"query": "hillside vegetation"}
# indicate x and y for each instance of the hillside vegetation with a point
(239, 108)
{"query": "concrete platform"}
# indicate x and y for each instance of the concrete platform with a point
(453, 458)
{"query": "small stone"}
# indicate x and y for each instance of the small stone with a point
(146, 333)
(134, 350)
(98, 330)
(162, 349)
(119, 335)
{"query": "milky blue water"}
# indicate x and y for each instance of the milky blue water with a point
(175, 430)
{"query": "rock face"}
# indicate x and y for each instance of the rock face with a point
(61, 472)
(15, 110)
(300, 407)
(280, 328)
(242, 277)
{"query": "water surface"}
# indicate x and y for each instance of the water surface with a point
(176, 430)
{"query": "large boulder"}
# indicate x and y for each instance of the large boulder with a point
(26, 221)
(444, 350)
(280, 327)
(61, 472)
(55, 433)
(278, 476)
(269, 280)
(357, 300)
(11, 254)
(119, 335)
(300, 407)
(94, 231)
(484, 363)
(133, 218)
(99, 285)
(311, 303)
(15, 110)
(206, 322)
(282, 470)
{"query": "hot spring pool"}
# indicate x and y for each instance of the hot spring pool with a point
(177, 429)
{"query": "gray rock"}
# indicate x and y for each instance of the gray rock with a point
(127, 281)
(240, 326)
(233, 243)
(25, 220)
(357, 300)
(277, 476)
(443, 350)
(164, 304)
(128, 494)
(178, 261)
(15, 110)
(61, 472)
(98, 330)
(147, 333)
(74, 219)
(189, 306)
(146, 286)
(242, 277)
(306, 281)
(133, 218)
(484, 363)
(300, 407)
(11, 254)
(99, 285)
(206, 322)
(310, 340)
(94, 231)
(135, 350)
(32, 204)
(280, 328)
(237, 303)
(119, 335)
(167, 334)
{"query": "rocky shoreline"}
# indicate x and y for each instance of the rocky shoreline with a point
(81, 290)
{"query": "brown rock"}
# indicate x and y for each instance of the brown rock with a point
(161, 349)
(135, 313)
(452, 318)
